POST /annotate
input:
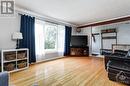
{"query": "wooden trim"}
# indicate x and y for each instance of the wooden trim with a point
(107, 22)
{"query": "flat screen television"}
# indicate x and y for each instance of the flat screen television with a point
(79, 41)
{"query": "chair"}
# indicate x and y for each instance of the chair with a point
(118, 66)
(4, 79)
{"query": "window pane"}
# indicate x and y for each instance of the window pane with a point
(50, 36)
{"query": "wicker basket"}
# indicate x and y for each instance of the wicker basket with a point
(22, 64)
(9, 67)
(21, 55)
(10, 56)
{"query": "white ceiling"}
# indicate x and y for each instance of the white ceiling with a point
(78, 12)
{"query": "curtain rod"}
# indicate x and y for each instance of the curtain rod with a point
(39, 18)
(43, 19)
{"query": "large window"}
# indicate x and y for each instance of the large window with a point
(49, 38)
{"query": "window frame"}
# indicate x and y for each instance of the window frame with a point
(43, 23)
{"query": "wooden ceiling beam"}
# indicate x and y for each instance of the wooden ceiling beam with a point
(106, 22)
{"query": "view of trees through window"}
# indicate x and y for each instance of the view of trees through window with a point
(50, 36)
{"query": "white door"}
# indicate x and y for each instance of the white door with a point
(96, 44)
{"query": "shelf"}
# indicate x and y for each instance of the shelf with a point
(22, 68)
(113, 30)
(14, 60)
(108, 32)
(18, 69)
(17, 56)
(9, 61)
(21, 59)
(11, 70)
(109, 37)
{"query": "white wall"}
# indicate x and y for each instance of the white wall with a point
(7, 27)
(123, 36)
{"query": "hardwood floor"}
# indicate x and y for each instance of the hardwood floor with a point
(71, 71)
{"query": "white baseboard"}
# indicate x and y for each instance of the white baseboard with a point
(49, 59)
(98, 56)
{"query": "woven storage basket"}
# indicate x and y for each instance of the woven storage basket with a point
(22, 64)
(10, 56)
(21, 55)
(9, 67)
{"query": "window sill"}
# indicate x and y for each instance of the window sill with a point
(50, 51)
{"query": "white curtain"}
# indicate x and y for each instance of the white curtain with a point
(39, 40)
(61, 40)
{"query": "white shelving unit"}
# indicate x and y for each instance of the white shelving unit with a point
(14, 59)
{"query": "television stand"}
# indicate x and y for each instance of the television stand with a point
(79, 51)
